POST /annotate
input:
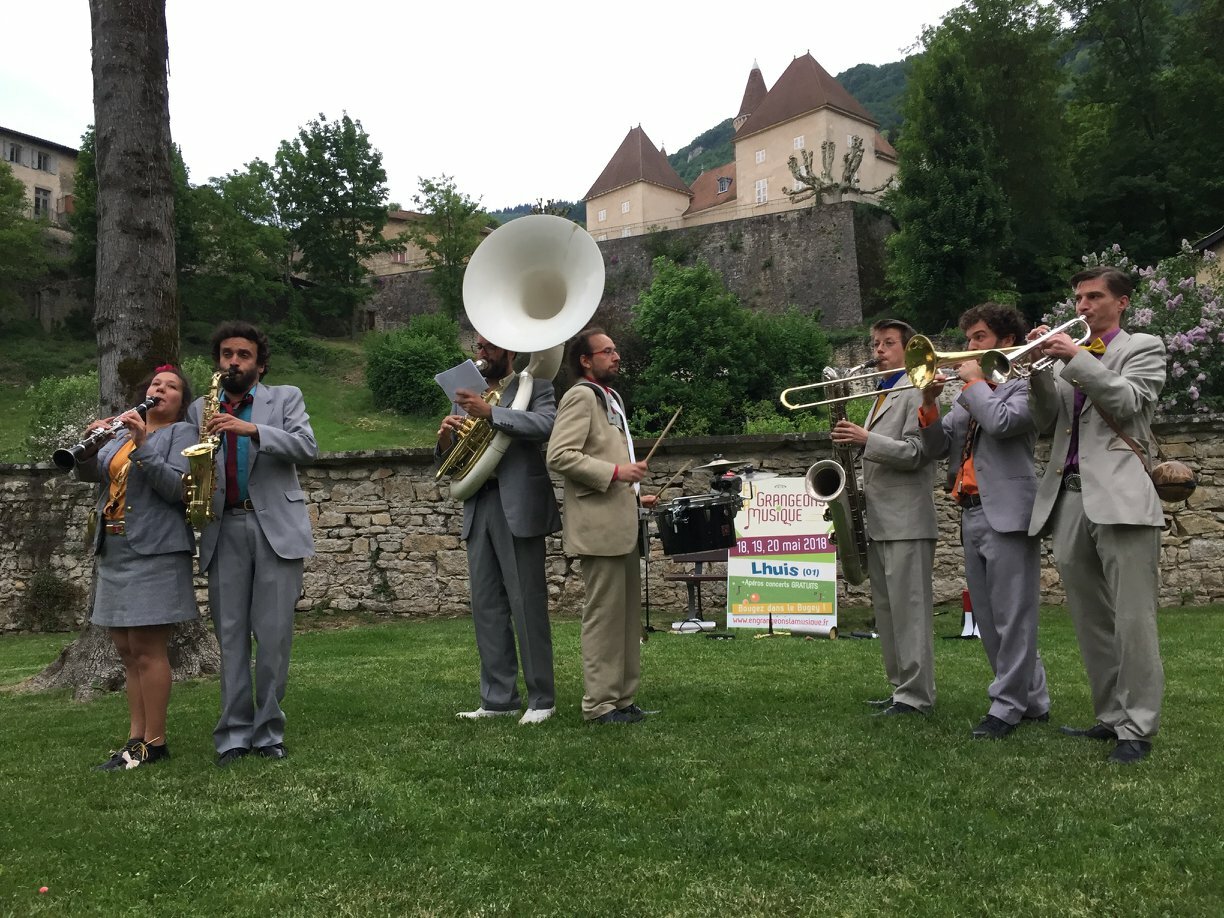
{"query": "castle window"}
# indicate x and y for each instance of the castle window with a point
(799, 142)
(626, 232)
(603, 215)
(42, 202)
(399, 257)
(13, 153)
(762, 191)
(760, 156)
(602, 237)
(724, 184)
(624, 207)
(42, 162)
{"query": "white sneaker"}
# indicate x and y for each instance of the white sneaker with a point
(536, 715)
(481, 713)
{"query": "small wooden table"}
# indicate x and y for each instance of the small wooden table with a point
(694, 580)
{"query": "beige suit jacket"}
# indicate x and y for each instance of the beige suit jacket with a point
(587, 443)
(898, 475)
(1126, 381)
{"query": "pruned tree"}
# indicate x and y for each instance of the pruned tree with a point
(810, 186)
(137, 315)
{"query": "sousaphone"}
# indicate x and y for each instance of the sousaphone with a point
(532, 285)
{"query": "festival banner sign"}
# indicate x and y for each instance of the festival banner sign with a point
(784, 563)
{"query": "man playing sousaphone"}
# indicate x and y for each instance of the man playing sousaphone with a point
(505, 523)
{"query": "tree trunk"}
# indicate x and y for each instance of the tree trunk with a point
(136, 299)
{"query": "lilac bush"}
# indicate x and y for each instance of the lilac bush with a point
(1186, 313)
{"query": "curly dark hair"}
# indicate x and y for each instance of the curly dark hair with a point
(1120, 283)
(1004, 321)
(240, 329)
(581, 347)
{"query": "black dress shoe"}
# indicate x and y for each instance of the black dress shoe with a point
(1130, 751)
(878, 702)
(275, 751)
(230, 756)
(616, 717)
(1036, 718)
(897, 707)
(633, 712)
(992, 727)
(1096, 731)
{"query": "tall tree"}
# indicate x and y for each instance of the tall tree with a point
(448, 233)
(137, 315)
(1139, 118)
(331, 192)
(953, 217)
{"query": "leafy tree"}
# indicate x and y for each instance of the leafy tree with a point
(1146, 122)
(23, 256)
(699, 342)
(331, 192)
(244, 252)
(953, 216)
(401, 365)
(448, 234)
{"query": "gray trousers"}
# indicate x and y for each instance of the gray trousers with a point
(900, 573)
(1112, 578)
(251, 591)
(509, 594)
(1003, 571)
(611, 632)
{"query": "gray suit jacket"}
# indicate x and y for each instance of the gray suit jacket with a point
(525, 489)
(285, 439)
(898, 476)
(1002, 449)
(154, 514)
(1126, 381)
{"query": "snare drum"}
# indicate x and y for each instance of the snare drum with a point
(692, 524)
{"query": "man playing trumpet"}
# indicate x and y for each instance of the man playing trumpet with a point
(988, 437)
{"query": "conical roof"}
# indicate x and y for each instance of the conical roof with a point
(804, 87)
(637, 160)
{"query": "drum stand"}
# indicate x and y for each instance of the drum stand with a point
(644, 545)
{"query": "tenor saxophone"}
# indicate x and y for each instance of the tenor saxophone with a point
(200, 480)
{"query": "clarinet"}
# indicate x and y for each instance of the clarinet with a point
(69, 457)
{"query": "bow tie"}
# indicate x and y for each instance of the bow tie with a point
(1096, 347)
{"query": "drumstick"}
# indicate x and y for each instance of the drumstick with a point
(664, 434)
(683, 469)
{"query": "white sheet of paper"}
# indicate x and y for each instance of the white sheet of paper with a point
(464, 376)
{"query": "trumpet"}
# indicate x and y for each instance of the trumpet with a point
(999, 366)
(67, 458)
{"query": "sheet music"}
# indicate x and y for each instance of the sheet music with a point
(464, 376)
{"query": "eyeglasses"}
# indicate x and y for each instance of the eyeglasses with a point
(477, 348)
(606, 352)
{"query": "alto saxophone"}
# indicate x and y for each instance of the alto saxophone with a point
(200, 480)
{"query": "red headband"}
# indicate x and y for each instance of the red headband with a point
(166, 368)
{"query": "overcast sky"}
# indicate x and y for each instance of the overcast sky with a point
(517, 101)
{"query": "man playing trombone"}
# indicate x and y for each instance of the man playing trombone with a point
(1098, 501)
(988, 437)
(900, 520)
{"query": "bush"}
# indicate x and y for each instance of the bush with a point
(60, 409)
(308, 351)
(50, 604)
(401, 365)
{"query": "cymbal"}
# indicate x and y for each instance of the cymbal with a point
(716, 465)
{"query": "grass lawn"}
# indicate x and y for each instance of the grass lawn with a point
(762, 788)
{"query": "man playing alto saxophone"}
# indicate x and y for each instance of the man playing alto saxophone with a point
(505, 524)
(253, 550)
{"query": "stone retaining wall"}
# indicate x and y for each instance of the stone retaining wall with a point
(388, 537)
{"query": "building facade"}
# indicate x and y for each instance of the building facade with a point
(47, 169)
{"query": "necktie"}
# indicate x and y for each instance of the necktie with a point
(1096, 347)
(233, 496)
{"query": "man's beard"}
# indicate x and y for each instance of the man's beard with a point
(239, 383)
(497, 370)
(605, 376)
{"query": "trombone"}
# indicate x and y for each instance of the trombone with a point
(923, 363)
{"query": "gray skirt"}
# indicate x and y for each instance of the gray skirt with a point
(135, 589)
